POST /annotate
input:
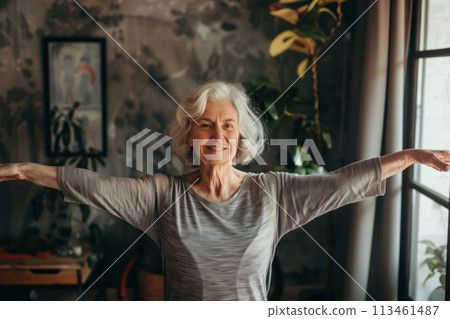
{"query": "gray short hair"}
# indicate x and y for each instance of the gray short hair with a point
(251, 128)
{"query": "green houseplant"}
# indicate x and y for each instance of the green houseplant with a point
(436, 262)
(308, 37)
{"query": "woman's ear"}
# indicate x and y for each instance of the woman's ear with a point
(190, 141)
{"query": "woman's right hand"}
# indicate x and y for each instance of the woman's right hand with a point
(38, 174)
(10, 172)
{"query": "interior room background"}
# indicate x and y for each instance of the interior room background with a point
(181, 44)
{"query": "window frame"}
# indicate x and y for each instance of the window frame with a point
(408, 183)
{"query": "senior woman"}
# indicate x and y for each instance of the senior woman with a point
(218, 227)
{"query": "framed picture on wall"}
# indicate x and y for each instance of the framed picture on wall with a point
(75, 95)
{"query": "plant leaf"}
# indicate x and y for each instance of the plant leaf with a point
(431, 274)
(286, 14)
(326, 10)
(303, 45)
(255, 81)
(302, 66)
(282, 42)
(290, 1)
(312, 5)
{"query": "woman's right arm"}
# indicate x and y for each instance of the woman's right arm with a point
(38, 174)
(134, 200)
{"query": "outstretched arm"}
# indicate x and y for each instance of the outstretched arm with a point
(303, 198)
(394, 163)
(39, 174)
(132, 199)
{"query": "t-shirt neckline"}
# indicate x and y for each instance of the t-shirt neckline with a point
(209, 202)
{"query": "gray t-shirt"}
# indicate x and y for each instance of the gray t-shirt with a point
(221, 250)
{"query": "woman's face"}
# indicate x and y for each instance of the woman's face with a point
(216, 136)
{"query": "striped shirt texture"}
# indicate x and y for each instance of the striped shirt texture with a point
(221, 250)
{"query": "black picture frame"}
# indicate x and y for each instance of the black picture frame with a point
(74, 71)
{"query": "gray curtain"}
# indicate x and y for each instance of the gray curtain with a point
(373, 247)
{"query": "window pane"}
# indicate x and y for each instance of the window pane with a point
(433, 118)
(429, 223)
(434, 20)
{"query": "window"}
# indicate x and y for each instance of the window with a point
(425, 217)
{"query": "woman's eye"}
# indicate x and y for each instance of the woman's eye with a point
(204, 125)
(229, 126)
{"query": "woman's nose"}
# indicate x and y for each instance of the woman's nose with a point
(217, 133)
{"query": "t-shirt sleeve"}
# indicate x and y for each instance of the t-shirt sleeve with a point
(303, 198)
(133, 200)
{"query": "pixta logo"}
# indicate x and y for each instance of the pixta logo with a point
(148, 141)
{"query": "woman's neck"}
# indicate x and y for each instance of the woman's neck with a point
(218, 183)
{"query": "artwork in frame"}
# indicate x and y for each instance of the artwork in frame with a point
(75, 95)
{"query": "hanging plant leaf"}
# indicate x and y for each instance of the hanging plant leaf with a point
(320, 35)
(301, 10)
(282, 42)
(286, 14)
(290, 1)
(255, 81)
(312, 5)
(303, 45)
(302, 66)
(326, 10)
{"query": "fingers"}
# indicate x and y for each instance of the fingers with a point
(8, 172)
(443, 155)
(440, 160)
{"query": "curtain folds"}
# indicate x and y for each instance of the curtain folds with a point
(373, 248)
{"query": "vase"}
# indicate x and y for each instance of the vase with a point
(437, 294)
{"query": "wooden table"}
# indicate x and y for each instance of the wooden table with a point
(54, 270)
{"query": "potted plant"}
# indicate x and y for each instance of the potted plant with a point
(436, 263)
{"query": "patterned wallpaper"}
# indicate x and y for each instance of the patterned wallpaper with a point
(181, 43)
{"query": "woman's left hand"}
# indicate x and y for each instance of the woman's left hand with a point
(439, 160)
(394, 163)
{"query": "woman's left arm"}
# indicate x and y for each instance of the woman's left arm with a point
(396, 162)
